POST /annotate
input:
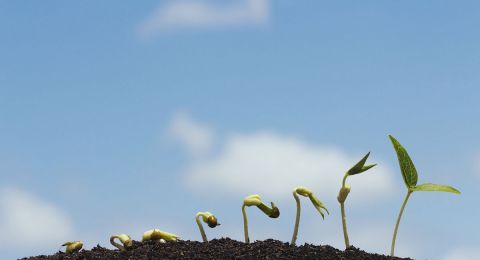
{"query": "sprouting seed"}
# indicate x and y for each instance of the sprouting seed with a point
(315, 201)
(410, 177)
(345, 190)
(124, 239)
(208, 218)
(255, 200)
(157, 234)
(72, 247)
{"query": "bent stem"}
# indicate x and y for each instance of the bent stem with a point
(245, 225)
(398, 222)
(297, 219)
(344, 217)
(115, 244)
(202, 231)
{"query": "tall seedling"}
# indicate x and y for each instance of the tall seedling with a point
(410, 176)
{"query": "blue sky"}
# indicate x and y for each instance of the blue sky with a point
(118, 118)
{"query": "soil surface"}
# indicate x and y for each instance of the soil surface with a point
(224, 248)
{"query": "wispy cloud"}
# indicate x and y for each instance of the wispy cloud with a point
(197, 14)
(272, 164)
(196, 137)
(29, 222)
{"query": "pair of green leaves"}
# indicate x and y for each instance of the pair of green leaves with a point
(409, 173)
(360, 166)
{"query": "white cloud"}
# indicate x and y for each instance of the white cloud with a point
(205, 14)
(272, 164)
(196, 137)
(464, 253)
(27, 221)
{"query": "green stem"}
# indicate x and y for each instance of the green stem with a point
(297, 219)
(398, 222)
(344, 216)
(245, 225)
(344, 224)
(202, 231)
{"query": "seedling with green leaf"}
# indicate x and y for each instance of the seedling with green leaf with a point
(409, 174)
(208, 218)
(124, 239)
(345, 189)
(255, 200)
(315, 201)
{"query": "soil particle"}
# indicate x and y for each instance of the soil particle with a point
(223, 248)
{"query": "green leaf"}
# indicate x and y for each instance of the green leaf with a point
(360, 166)
(318, 205)
(409, 173)
(435, 187)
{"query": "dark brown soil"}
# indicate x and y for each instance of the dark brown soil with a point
(224, 248)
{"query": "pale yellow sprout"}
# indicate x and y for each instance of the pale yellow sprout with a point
(73, 246)
(315, 201)
(124, 239)
(255, 200)
(208, 218)
(157, 234)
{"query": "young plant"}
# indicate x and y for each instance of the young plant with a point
(72, 247)
(157, 234)
(345, 189)
(409, 174)
(254, 200)
(124, 239)
(315, 201)
(208, 218)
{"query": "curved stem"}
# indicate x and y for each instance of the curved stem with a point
(297, 219)
(245, 225)
(398, 222)
(115, 244)
(200, 226)
(344, 216)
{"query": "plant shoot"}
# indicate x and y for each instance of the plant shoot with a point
(157, 234)
(255, 200)
(316, 203)
(345, 190)
(208, 218)
(72, 247)
(124, 239)
(410, 177)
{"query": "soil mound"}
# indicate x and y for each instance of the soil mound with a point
(223, 248)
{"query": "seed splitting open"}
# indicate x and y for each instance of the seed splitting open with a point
(157, 235)
(72, 247)
(208, 218)
(255, 200)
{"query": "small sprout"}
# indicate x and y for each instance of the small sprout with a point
(208, 218)
(72, 247)
(345, 190)
(157, 234)
(254, 200)
(410, 177)
(315, 201)
(124, 239)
